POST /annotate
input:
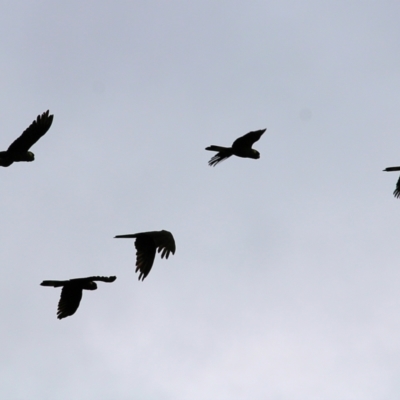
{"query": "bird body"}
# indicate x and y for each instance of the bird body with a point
(71, 293)
(19, 149)
(241, 147)
(147, 243)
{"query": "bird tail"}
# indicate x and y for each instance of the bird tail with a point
(223, 154)
(217, 148)
(392, 169)
(52, 283)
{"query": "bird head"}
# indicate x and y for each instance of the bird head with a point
(30, 155)
(256, 154)
(90, 286)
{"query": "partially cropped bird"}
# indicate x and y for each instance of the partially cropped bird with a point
(241, 147)
(146, 244)
(396, 192)
(71, 293)
(18, 150)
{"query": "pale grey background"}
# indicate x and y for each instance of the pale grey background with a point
(286, 279)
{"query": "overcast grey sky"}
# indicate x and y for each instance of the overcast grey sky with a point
(285, 284)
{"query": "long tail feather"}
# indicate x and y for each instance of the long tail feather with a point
(52, 283)
(392, 169)
(217, 148)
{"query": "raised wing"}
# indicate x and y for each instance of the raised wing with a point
(32, 134)
(70, 299)
(248, 139)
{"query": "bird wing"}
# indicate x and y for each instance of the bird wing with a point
(396, 192)
(71, 295)
(32, 134)
(165, 243)
(145, 254)
(248, 139)
(146, 244)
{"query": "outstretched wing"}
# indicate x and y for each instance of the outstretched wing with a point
(396, 193)
(248, 139)
(32, 134)
(70, 299)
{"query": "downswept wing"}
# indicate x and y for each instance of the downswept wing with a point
(32, 134)
(145, 254)
(70, 299)
(248, 139)
(396, 192)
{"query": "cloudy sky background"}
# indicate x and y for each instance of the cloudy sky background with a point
(286, 279)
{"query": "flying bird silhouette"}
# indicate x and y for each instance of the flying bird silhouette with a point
(71, 293)
(146, 244)
(18, 150)
(396, 192)
(241, 147)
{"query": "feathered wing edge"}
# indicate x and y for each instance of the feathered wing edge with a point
(144, 261)
(69, 302)
(32, 134)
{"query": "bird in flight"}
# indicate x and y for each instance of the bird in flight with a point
(241, 147)
(146, 244)
(19, 149)
(71, 293)
(396, 192)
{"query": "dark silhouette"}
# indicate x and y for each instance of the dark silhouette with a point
(146, 244)
(241, 147)
(71, 293)
(18, 150)
(396, 192)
